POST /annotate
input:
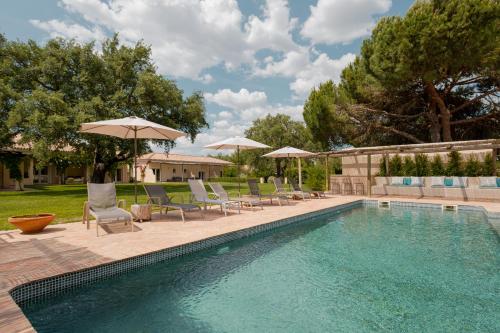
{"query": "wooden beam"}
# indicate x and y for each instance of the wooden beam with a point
(369, 174)
(327, 175)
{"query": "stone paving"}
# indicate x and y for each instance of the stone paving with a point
(64, 248)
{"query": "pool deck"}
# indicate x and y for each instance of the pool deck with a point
(63, 248)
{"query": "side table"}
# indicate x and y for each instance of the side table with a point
(141, 212)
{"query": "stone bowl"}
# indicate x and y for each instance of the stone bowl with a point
(30, 224)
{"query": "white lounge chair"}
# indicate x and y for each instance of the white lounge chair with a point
(200, 194)
(103, 206)
(221, 194)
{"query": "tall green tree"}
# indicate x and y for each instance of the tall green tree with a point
(429, 76)
(61, 84)
(276, 131)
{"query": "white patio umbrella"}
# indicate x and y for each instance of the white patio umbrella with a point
(132, 128)
(237, 143)
(287, 152)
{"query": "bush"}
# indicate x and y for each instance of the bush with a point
(382, 170)
(488, 169)
(422, 166)
(437, 166)
(396, 166)
(270, 179)
(408, 166)
(227, 179)
(472, 167)
(454, 166)
(315, 177)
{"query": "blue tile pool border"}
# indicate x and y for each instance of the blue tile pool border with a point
(38, 290)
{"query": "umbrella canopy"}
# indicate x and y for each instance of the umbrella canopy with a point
(237, 143)
(132, 128)
(291, 152)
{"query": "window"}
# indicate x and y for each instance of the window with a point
(220, 173)
(26, 172)
(173, 171)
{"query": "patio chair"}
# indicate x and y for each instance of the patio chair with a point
(310, 194)
(200, 194)
(158, 197)
(255, 192)
(221, 194)
(280, 190)
(103, 206)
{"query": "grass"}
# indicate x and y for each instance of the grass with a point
(66, 201)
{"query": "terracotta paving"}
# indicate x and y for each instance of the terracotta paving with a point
(69, 247)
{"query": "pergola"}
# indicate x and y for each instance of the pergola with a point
(420, 148)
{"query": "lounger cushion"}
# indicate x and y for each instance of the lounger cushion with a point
(417, 181)
(459, 181)
(489, 182)
(448, 182)
(101, 196)
(114, 213)
(406, 181)
(437, 181)
(396, 181)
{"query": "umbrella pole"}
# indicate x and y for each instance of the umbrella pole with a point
(300, 173)
(238, 175)
(135, 164)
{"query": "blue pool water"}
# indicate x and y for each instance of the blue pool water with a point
(366, 270)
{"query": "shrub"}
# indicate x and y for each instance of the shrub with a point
(270, 179)
(488, 169)
(315, 177)
(408, 166)
(382, 170)
(472, 166)
(437, 166)
(454, 166)
(396, 166)
(422, 166)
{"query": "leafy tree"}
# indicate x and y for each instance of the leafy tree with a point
(11, 162)
(61, 84)
(382, 169)
(437, 166)
(488, 168)
(431, 75)
(472, 166)
(396, 166)
(315, 177)
(422, 166)
(409, 168)
(454, 166)
(276, 131)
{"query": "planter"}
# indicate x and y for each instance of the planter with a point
(32, 223)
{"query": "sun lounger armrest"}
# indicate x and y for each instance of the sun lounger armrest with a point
(122, 203)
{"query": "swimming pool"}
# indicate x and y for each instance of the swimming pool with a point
(364, 270)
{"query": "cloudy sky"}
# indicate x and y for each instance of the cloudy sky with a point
(249, 57)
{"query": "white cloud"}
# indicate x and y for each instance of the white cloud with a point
(274, 31)
(322, 69)
(341, 21)
(243, 99)
(57, 28)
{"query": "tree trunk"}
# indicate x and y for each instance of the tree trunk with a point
(435, 126)
(98, 173)
(444, 112)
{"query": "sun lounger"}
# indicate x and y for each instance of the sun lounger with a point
(103, 206)
(297, 188)
(280, 190)
(255, 192)
(221, 194)
(159, 198)
(200, 194)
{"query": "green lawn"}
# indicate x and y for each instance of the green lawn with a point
(66, 201)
